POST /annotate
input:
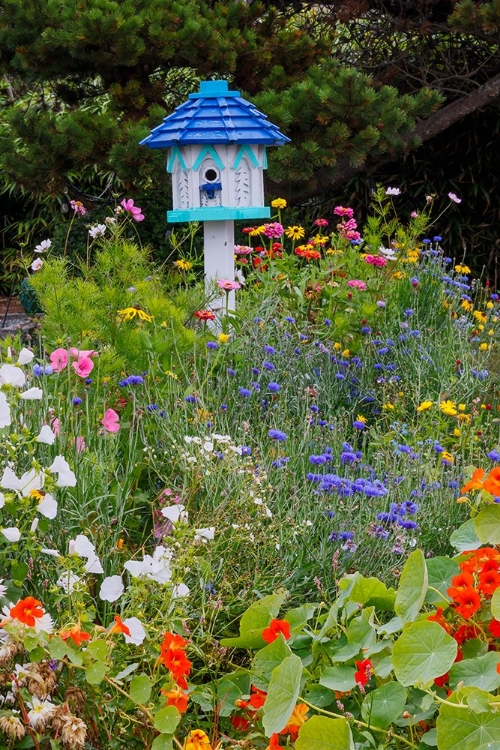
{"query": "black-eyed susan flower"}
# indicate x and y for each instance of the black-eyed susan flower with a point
(129, 313)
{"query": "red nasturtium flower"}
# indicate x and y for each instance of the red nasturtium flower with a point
(274, 743)
(173, 657)
(468, 601)
(275, 628)
(27, 611)
(365, 671)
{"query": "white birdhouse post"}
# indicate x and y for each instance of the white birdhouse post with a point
(217, 155)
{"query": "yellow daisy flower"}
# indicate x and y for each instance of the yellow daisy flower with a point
(295, 232)
(129, 313)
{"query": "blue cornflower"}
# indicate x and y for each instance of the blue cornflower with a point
(277, 435)
(409, 312)
(38, 370)
(190, 399)
(245, 450)
(318, 460)
(297, 351)
(437, 238)
(273, 387)
(340, 376)
(152, 407)
(255, 386)
(327, 322)
(230, 371)
(366, 329)
(88, 381)
(494, 455)
(358, 424)
(77, 401)
(258, 320)
(289, 319)
(269, 366)
(223, 407)
(426, 241)
(280, 462)
(255, 370)
(314, 408)
(269, 349)
(245, 392)
(322, 422)
(212, 345)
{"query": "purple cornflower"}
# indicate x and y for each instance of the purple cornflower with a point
(274, 387)
(277, 435)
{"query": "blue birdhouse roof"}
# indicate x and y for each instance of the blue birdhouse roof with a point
(215, 115)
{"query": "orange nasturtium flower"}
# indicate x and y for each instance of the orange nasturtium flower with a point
(275, 628)
(120, 627)
(298, 717)
(76, 633)
(177, 697)
(197, 740)
(468, 601)
(475, 483)
(492, 482)
(27, 611)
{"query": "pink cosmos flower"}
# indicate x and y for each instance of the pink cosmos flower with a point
(454, 198)
(341, 211)
(83, 366)
(357, 284)
(228, 285)
(59, 359)
(134, 211)
(111, 421)
(78, 207)
(376, 260)
(414, 214)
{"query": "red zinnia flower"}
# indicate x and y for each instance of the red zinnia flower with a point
(204, 315)
(275, 628)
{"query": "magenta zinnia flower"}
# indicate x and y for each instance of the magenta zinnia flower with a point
(357, 284)
(228, 285)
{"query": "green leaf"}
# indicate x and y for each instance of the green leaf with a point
(480, 672)
(371, 591)
(37, 654)
(423, 652)
(256, 618)
(321, 733)
(227, 693)
(282, 694)
(268, 659)
(166, 720)
(299, 616)
(57, 647)
(460, 729)
(162, 742)
(339, 678)
(412, 587)
(440, 571)
(465, 538)
(495, 604)
(487, 524)
(96, 673)
(98, 649)
(384, 705)
(125, 672)
(140, 689)
(320, 696)
(19, 571)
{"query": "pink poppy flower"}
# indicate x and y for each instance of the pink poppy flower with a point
(80, 444)
(81, 352)
(228, 285)
(56, 425)
(59, 359)
(111, 421)
(83, 367)
(134, 211)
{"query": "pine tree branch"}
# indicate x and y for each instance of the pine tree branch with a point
(343, 171)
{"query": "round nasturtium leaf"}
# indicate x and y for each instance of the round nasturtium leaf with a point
(459, 728)
(423, 652)
(383, 706)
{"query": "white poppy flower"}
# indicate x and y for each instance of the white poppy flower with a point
(173, 512)
(66, 477)
(111, 589)
(5, 418)
(180, 590)
(81, 546)
(46, 435)
(2, 499)
(51, 552)
(37, 264)
(93, 565)
(68, 581)
(30, 480)
(48, 506)
(204, 535)
(137, 632)
(32, 394)
(12, 375)
(12, 534)
(25, 356)
(43, 246)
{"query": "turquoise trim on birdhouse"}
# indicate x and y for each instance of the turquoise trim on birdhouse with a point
(175, 155)
(245, 150)
(264, 159)
(208, 151)
(219, 213)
